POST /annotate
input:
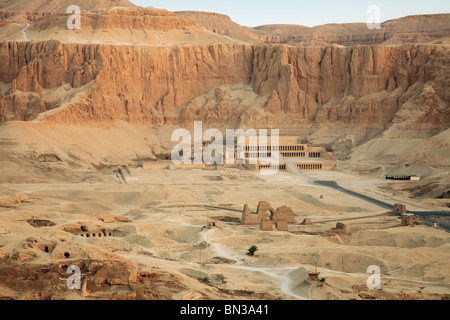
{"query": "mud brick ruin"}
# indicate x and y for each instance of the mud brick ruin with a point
(407, 219)
(268, 218)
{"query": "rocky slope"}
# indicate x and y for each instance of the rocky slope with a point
(60, 6)
(365, 85)
(77, 105)
(153, 67)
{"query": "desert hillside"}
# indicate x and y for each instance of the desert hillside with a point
(410, 29)
(59, 6)
(86, 119)
(149, 66)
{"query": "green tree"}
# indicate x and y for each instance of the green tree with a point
(251, 251)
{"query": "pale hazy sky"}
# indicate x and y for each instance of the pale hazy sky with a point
(308, 13)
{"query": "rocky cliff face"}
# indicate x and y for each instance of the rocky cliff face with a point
(87, 84)
(108, 83)
(152, 66)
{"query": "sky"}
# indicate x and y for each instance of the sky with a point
(309, 13)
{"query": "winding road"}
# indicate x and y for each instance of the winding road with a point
(426, 216)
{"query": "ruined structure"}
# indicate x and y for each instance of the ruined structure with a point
(340, 229)
(399, 209)
(268, 218)
(249, 218)
(410, 220)
(407, 218)
(274, 225)
(266, 225)
(265, 210)
(285, 213)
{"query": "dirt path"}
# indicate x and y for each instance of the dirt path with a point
(281, 275)
(24, 32)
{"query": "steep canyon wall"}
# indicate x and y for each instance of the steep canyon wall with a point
(87, 84)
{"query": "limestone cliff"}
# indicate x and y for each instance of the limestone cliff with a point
(152, 66)
(94, 83)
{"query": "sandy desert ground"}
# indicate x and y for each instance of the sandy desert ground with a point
(77, 106)
(159, 229)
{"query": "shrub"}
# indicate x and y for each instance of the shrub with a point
(251, 251)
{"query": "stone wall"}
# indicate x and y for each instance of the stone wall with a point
(399, 209)
(282, 213)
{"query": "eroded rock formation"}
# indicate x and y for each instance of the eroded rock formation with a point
(63, 83)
